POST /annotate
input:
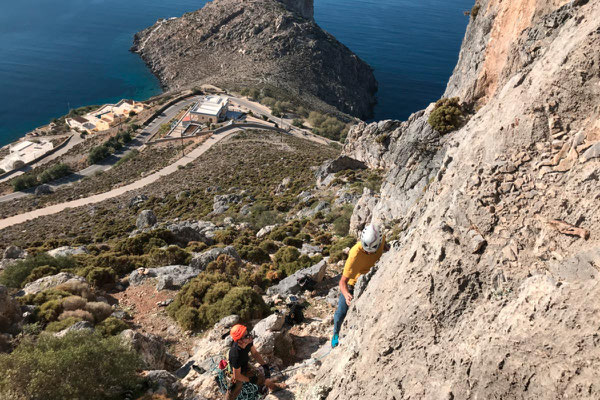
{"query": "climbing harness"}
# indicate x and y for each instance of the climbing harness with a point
(222, 372)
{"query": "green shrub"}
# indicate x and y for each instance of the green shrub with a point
(100, 276)
(40, 272)
(42, 297)
(78, 366)
(15, 275)
(286, 254)
(211, 296)
(224, 264)
(446, 116)
(50, 310)
(268, 246)
(54, 172)
(254, 254)
(291, 241)
(144, 242)
(23, 182)
(172, 255)
(225, 236)
(58, 326)
(98, 153)
(72, 303)
(111, 326)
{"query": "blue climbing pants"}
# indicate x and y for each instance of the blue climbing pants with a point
(340, 313)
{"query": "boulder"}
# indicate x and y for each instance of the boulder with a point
(330, 167)
(221, 203)
(363, 211)
(163, 382)
(223, 326)
(146, 219)
(200, 261)
(169, 277)
(66, 251)
(245, 210)
(321, 206)
(291, 285)
(333, 296)
(49, 282)
(193, 231)
(137, 200)
(14, 252)
(310, 249)
(273, 323)
(345, 197)
(10, 311)
(43, 190)
(264, 231)
(150, 347)
(77, 326)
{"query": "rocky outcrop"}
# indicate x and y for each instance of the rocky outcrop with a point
(146, 219)
(326, 171)
(486, 291)
(262, 44)
(201, 261)
(169, 277)
(49, 282)
(66, 251)
(292, 284)
(150, 347)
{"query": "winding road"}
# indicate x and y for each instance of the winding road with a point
(140, 141)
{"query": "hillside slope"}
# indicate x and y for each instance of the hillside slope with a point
(236, 44)
(490, 290)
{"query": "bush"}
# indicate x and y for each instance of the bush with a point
(58, 326)
(172, 255)
(475, 11)
(99, 310)
(78, 314)
(446, 116)
(211, 296)
(111, 326)
(268, 246)
(144, 242)
(72, 303)
(54, 172)
(40, 272)
(286, 255)
(15, 275)
(50, 310)
(100, 276)
(225, 236)
(97, 154)
(291, 241)
(23, 182)
(42, 297)
(254, 254)
(78, 366)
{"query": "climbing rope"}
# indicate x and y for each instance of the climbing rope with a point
(249, 391)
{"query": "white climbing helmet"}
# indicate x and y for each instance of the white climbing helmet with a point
(370, 238)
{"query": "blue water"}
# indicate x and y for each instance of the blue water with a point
(69, 53)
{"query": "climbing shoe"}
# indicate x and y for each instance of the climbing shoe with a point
(335, 340)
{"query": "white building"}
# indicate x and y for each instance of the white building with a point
(24, 152)
(209, 109)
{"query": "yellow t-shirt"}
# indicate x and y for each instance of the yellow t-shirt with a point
(359, 262)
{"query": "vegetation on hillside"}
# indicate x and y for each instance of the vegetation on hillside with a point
(447, 115)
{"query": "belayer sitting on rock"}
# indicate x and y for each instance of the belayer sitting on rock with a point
(242, 371)
(363, 255)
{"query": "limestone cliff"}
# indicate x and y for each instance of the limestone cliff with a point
(236, 44)
(490, 289)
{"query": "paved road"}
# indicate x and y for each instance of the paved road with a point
(138, 142)
(191, 156)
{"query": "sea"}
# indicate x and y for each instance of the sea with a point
(59, 55)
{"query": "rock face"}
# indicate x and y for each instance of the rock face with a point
(484, 295)
(150, 347)
(263, 44)
(169, 277)
(50, 282)
(200, 261)
(146, 219)
(291, 284)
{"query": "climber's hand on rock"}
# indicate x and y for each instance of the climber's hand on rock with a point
(348, 299)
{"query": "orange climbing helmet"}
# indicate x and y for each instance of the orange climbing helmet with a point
(237, 332)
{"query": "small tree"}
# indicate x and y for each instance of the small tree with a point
(446, 116)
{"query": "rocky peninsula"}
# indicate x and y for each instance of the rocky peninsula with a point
(263, 43)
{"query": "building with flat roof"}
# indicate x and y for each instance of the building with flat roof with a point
(209, 109)
(24, 152)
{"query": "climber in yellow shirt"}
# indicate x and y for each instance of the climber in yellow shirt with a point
(363, 255)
